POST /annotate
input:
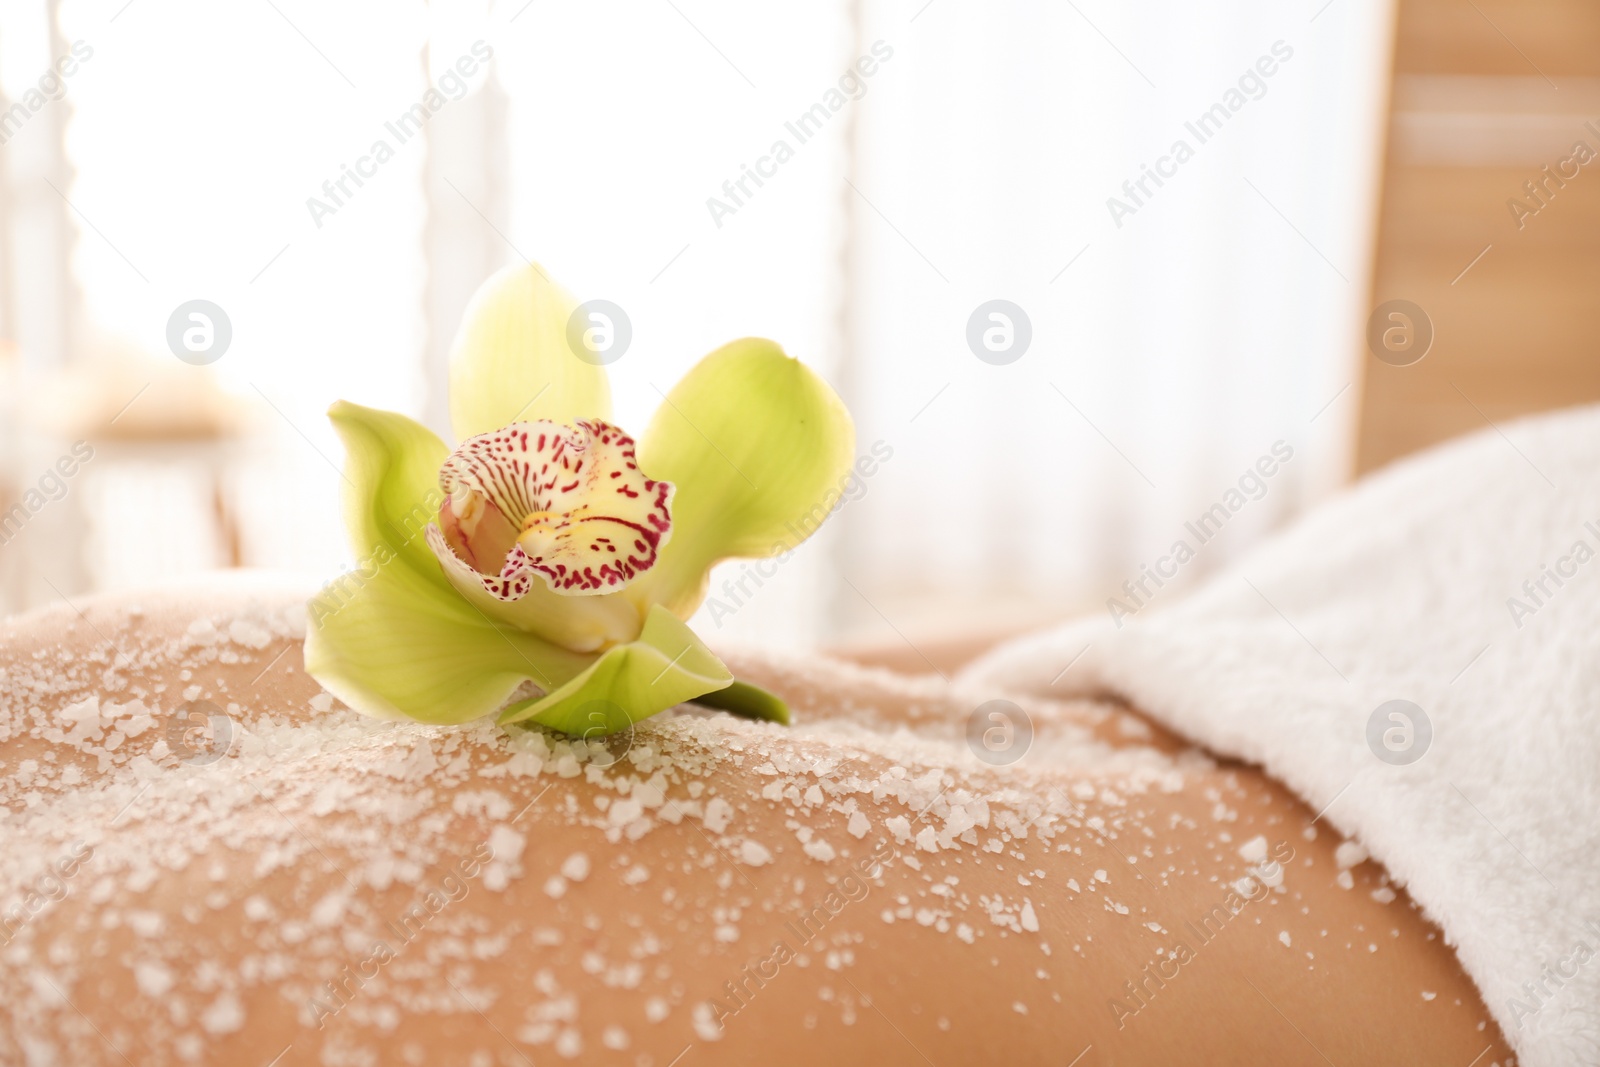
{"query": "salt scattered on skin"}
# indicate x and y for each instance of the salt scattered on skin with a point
(384, 776)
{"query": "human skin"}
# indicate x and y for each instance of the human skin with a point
(219, 948)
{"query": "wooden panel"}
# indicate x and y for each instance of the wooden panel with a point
(1498, 37)
(1514, 333)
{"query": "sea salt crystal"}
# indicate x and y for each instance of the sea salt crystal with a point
(555, 887)
(570, 1044)
(241, 632)
(625, 811)
(146, 923)
(1349, 854)
(506, 844)
(753, 853)
(329, 910)
(1254, 850)
(818, 849)
(224, 1016)
(706, 1026)
(1271, 874)
(718, 814)
(1383, 895)
(1283, 935)
(575, 868)
(859, 825)
(1030, 921)
(152, 978)
(84, 711)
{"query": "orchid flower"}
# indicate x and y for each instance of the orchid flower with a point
(551, 547)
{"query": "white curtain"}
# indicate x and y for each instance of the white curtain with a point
(1176, 336)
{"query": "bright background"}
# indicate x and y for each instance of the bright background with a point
(1167, 353)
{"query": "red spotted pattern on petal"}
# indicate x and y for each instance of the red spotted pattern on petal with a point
(589, 521)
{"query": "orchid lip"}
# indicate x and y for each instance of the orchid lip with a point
(567, 503)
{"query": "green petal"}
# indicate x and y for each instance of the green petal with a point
(392, 644)
(748, 702)
(392, 638)
(758, 446)
(391, 484)
(512, 359)
(667, 665)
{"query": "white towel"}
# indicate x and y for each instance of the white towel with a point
(1465, 581)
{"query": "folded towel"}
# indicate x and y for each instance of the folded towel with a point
(1419, 659)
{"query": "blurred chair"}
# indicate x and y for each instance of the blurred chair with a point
(162, 433)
